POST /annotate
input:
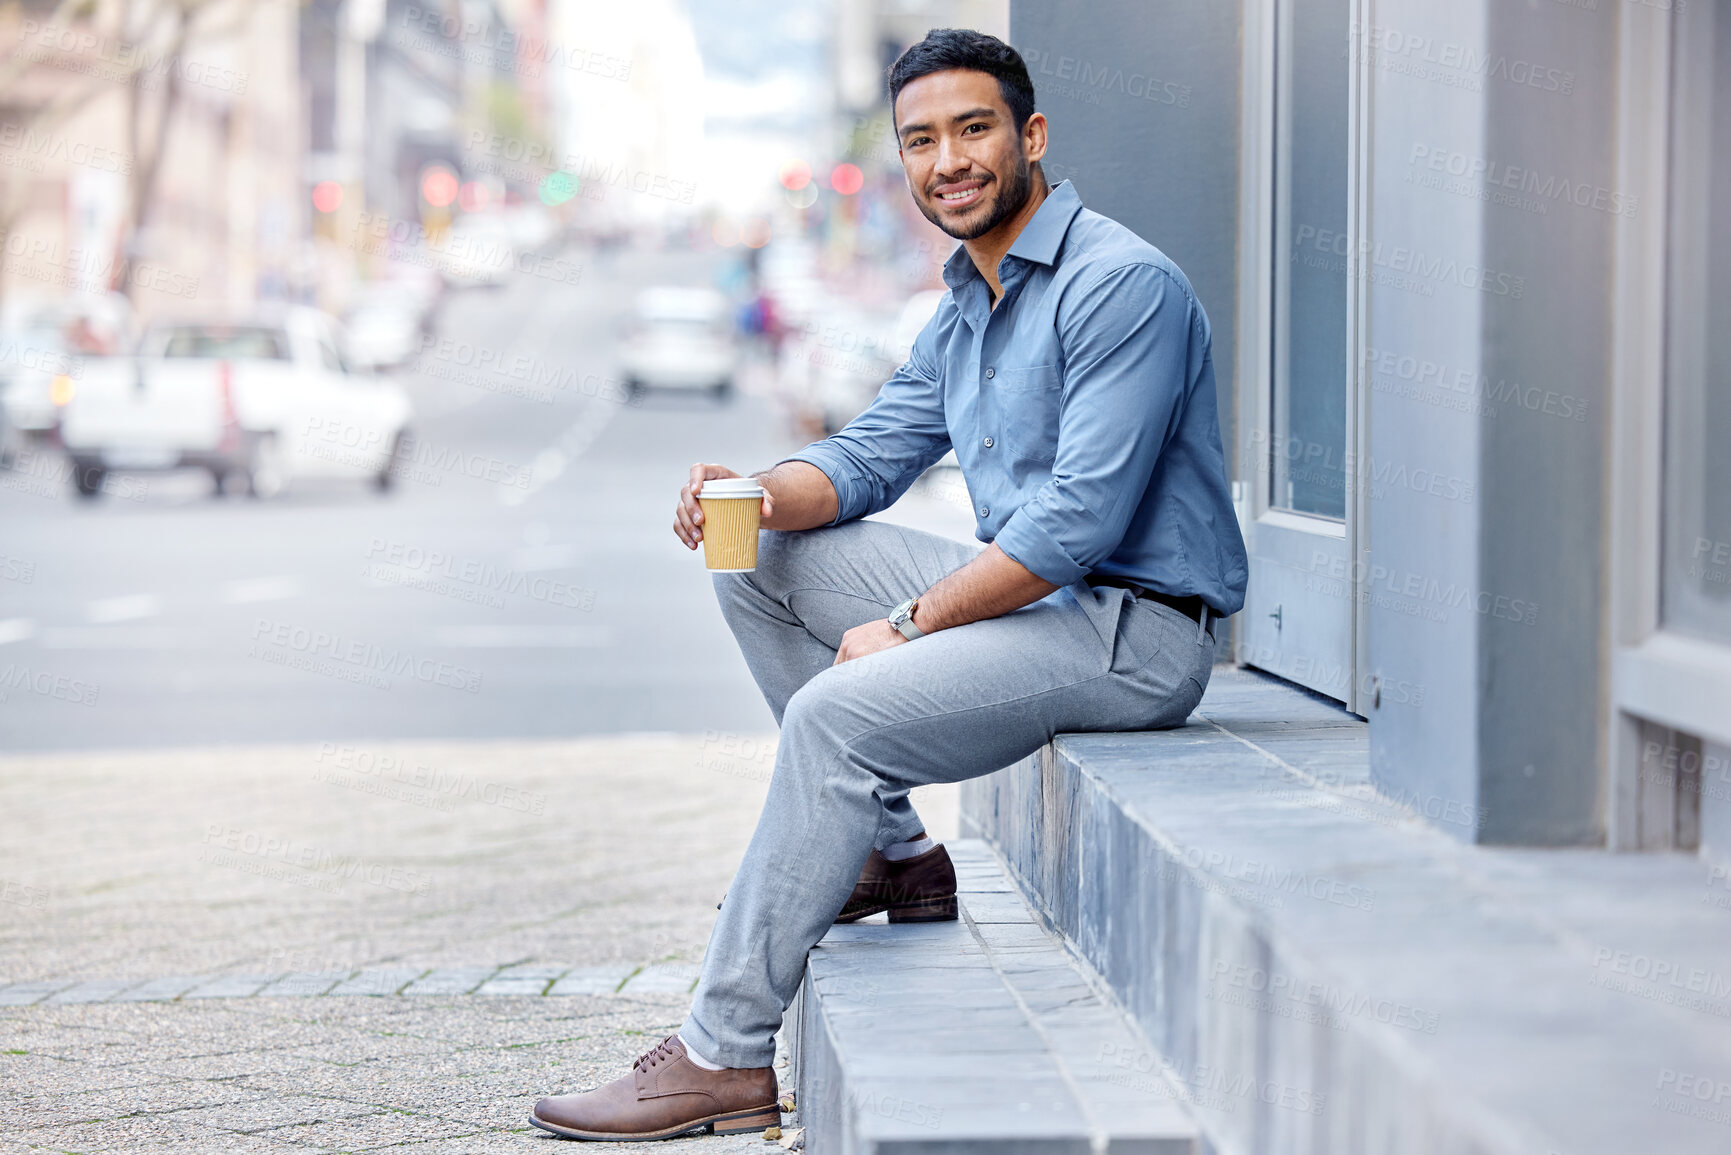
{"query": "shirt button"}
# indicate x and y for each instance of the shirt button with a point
(985, 511)
(991, 372)
(988, 443)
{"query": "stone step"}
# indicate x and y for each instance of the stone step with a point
(1320, 969)
(979, 1035)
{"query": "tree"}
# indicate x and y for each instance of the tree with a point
(135, 45)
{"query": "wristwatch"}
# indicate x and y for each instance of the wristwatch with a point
(902, 620)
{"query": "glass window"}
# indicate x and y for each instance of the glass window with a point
(235, 342)
(1696, 530)
(1312, 258)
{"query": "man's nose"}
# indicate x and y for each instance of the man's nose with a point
(950, 164)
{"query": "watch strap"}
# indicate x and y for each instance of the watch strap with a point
(902, 618)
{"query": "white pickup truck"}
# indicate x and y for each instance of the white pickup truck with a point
(263, 398)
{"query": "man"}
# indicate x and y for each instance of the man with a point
(1069, 368)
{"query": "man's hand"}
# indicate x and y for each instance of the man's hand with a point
(867, 639)
(688, 515)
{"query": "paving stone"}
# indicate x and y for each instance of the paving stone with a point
(384, 981)
(91, 991)
(449, 981)
(591, 981)
(25, 994)
(531, 979)
(544, 971)
(157, 1133)
(160, 990)
(303, 984)
(995, 906)
(1007, 936)
(270, 1114)
(230, 986)
(663, 979)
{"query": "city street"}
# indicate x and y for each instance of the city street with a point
(358, 817)
(375, 757)
(521, 581)
(267, 893)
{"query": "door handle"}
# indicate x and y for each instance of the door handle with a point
(1276, 616)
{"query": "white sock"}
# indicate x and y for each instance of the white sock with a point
(698, 1059)
(897, 851)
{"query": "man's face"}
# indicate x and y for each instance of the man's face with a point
(967, 167)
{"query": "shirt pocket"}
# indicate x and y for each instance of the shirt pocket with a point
(1028, 400)
(1032, 378)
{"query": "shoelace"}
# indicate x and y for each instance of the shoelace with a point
(657, 1054)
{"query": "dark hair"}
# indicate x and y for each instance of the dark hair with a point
(947, 48)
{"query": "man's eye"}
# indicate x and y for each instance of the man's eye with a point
(971, 127)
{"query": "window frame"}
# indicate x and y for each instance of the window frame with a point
(1656, 675)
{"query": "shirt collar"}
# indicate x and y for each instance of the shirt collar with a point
(1038, 241)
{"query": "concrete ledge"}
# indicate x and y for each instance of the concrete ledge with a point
(981, 1035)
(1320, 969)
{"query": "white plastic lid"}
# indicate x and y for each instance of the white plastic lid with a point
(730, 487)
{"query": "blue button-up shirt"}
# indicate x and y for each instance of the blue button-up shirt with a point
(1081, 408)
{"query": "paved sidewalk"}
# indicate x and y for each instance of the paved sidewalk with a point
(442, 1076)
(354, 946)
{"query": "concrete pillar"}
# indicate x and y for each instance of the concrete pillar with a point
(1491, 217)
(1143, 103)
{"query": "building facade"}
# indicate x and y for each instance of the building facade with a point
(1465, 266)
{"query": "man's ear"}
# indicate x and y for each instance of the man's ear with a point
(1034, 137)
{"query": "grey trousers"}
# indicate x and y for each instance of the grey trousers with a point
(855, 738)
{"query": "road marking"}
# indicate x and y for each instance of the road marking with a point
(270, 589)
(123, 609)
(16, 630)
(551, 461)
(521, 637)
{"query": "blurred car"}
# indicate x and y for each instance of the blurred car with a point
(266, 397)
(415, 286)
(836, 363)
(680, 338)
(528, 225)
(35, 366)
(384, 326)
(43, 347)
(477, 251)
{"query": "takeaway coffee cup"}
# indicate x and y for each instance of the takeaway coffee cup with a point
(731, 509)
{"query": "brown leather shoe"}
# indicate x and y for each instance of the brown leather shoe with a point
(666, 1095)
(918, 889)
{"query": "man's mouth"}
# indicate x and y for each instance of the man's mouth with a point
(961, 194)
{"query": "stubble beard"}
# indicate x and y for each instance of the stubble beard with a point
(1007, 202)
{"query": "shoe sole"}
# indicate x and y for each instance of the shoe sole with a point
(925, 910)
(728, 1123)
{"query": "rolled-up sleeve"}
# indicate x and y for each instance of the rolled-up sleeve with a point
(1125, 338)
(879, 454)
